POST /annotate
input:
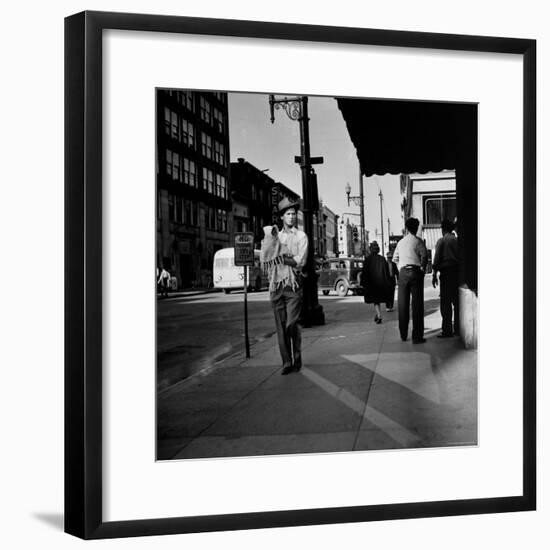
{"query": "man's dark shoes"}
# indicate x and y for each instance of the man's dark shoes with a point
(444, 335)
(294, 368)
(421, 341)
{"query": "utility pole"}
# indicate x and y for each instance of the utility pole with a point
(296, 109)
(362, 212)
(360, 201)
(389, 234)
(381, 221)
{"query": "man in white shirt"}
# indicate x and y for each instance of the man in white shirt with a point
(411, 257)
(286, 289)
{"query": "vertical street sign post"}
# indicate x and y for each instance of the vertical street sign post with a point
(244, 256)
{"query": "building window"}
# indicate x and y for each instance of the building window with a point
(438, 208)
(219, 153)
(176, 172)
(186, 99)
(220, 96)
(173, 166)
(187, 212)
(208, 180)
(221, 186)
(179, 209)
(171, 123)
(206, 113)
(219, 120)
(169, 162)
(194, 214)
(210, 218)
(221, 220)
(174, 126)
(189, 172)
(171, 211)
(206, 145)
(167, 119)
(169, 156)
(187, 133)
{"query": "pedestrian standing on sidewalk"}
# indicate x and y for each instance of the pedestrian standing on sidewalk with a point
(164, 281)
(375, 279)
(284, 254)
(394, 277)
(446, 263)
(411, 257)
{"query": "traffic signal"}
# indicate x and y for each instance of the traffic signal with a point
(355, 234)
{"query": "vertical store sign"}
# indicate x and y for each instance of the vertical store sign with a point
(274, 205)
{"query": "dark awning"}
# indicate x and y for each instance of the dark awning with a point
(394, 136)
(406, 137)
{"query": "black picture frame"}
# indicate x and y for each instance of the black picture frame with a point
(83, 274)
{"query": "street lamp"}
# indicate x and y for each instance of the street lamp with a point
(296, 109)
(359, 201)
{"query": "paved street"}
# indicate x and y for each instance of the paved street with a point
(196, 332)
(361, 388)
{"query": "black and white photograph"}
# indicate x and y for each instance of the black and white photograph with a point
(316, 274)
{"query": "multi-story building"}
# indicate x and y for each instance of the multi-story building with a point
(255, 197)
(349, 243)
(194, 213)
(326, 232)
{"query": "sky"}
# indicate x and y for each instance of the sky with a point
(274, 146)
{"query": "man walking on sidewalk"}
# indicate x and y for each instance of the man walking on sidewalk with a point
(446, 263)
(411, 257)
(284, 253)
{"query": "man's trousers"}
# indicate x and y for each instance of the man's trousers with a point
(448, 281)
(411, 289)
(287, 306)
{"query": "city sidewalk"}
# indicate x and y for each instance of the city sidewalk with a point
(360, 388)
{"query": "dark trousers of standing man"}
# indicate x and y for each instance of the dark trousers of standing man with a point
(287, 306)
(448, 281)
(411, 285)
(391, 294)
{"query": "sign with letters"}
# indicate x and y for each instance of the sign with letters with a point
(244, 248)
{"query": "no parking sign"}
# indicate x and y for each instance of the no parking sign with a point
(244, 248)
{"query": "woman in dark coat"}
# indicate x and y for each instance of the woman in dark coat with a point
(375, 279)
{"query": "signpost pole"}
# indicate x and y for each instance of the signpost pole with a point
(244, 256)
(246, 340)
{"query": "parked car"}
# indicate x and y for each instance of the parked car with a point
(340, 275)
